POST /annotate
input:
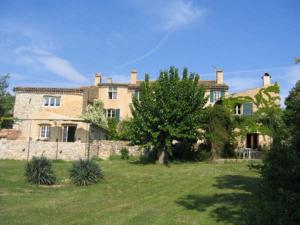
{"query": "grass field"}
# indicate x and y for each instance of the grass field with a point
(132, 193)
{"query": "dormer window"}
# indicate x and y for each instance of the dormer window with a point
(215, 95)
(112, 93)
(51, 101)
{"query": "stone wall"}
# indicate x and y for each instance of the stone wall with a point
(23, 150)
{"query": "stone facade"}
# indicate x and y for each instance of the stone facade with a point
(23, 150)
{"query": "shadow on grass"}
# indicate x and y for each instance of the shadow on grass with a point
(236, 207)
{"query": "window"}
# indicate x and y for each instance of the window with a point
(51, 101)
(216, 95)
(238, 109)
(112, 93)
(111, 113)
(45, 131)
(69, 132)
(137, 94)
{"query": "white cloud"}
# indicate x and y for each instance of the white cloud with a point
(179, 13)
(40, 59)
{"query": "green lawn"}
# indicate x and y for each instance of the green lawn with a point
(131, 193)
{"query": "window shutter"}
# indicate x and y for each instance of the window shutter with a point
(104, 111)
(247, 109)
(211, 96)
(222, 93)
(117, 114)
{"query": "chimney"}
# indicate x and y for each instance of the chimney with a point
(219, 76)
(266, 80)
(133, 77)
(109, 80)
(97, 79)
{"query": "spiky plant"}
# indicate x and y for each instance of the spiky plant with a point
(124, 153)
(39, 171)
(85, 172)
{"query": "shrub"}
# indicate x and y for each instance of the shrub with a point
(39, 171)
(124, 153)
(85, 172)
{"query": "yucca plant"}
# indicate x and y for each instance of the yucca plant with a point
(124, 153)
(85, 172)
(39, 171)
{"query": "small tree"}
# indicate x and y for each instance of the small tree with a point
(6, 103)
(95, 114)
(218, 130)
(112, 131)
(168, 109)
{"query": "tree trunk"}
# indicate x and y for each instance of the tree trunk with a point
(163, 157)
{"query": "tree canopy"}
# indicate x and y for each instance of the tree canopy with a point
(95, 114)
(167, 110)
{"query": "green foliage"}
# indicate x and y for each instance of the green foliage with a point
(280, 196)
(292, 113)
(112, 132)
(95, 114)
(124, 153)
(124, 130)
(39, 171)
(219, 130)
(297, 60)
(169, 109)
(267, 117)
(6, 103)
(85, 172)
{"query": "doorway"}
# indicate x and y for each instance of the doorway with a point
(252, 141)
(69, 133)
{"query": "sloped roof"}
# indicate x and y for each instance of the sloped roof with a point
(48, 90)
(10, 134)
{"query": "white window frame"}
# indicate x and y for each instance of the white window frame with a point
(113, 91)
(45, 131)
(216, 95)
(48, 100)
(238, 109)
(111, 113)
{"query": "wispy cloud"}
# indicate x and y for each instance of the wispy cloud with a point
(146, 54)
(42, 59)
(179, 13)
(171, 16)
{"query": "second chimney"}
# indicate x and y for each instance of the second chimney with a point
(219, 76)
(266, 80)
(97, 79)
(133, 77)
(109, 80)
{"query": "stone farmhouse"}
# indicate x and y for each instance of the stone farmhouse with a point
(54, 114)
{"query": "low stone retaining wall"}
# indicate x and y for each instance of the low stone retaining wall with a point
(23, 150)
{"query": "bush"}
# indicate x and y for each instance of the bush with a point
(39, 171)
(124, 153)
(85, 172)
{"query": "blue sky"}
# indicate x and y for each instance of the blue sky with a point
(64, 43)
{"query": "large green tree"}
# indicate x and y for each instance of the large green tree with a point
(280, 197)
(167, 110)
(6, 103)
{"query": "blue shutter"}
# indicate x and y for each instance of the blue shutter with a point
(247, 109)
(118, 114)
(211, 96)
